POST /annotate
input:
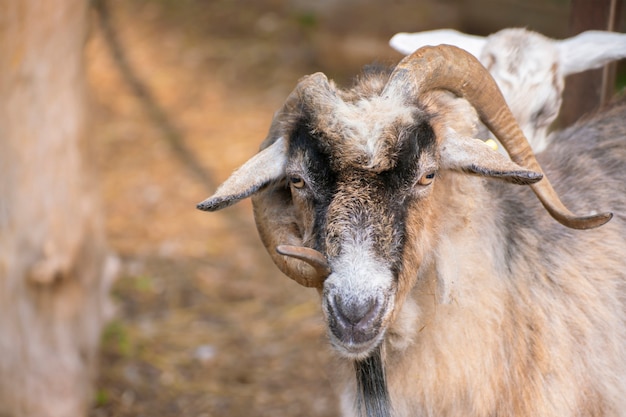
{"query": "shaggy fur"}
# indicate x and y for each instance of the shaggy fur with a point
(533, 321)
(455, 290)
(372, 395)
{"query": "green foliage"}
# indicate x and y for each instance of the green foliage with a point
(101, 398)
(143, 283)
(116, 338)
(307, 20)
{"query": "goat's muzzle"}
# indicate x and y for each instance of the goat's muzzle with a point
(355, 323)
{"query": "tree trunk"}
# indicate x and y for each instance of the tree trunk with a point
(54, 269)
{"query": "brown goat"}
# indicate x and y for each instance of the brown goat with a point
(446, 289)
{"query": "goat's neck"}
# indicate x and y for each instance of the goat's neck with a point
(465, 259)
(447, 323)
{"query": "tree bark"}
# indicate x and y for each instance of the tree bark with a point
(55, 272)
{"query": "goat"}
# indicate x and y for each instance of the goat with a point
(447, 289)
(529, 68)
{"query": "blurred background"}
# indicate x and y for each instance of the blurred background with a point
(182, 92)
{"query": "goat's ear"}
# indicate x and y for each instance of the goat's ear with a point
(473, 156)
(407, 43)
(263, 168)
(591, 49)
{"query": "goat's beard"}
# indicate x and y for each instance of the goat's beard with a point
(372, 394)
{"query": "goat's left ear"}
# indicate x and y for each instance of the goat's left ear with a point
(407, 43)
(263, 168)
(590, 49)
(473, 156)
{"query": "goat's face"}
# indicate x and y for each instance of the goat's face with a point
(353, 186)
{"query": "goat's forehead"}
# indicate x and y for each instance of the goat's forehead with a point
(367, 127)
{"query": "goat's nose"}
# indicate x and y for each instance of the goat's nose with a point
(355, 321)
(354, 313)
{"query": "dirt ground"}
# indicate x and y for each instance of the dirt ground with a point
(206, 324)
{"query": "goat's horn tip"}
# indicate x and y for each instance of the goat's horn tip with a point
(297, 251)
(283, 249)
(603, 218)
(308, 255)
(590, 222)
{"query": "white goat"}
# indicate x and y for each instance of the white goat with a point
(530, 69)
(448, 291)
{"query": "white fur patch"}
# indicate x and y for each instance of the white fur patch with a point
(364, 122)
(359, 277)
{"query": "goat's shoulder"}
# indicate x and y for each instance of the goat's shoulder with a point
(602, 129)
(589, 158)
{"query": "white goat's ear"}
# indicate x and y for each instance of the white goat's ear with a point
(591, 49)
(473, 156)
(263, 168)
(407, 43)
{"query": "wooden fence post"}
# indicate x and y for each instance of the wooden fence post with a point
(587, 91)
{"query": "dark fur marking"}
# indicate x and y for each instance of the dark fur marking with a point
(416, 140)
(372, 393)
(323, 178)
(397, 182)
(388, 191)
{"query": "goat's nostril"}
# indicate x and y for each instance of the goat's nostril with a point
(356, 314)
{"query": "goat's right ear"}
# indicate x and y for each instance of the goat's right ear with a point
(407, 43)
(266, 166)
(591, 49)
(475, 157)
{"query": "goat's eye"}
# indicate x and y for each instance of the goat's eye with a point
(427, 178)
(297, 182)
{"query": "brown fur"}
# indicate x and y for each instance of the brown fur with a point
(488, 306)
(536, 335)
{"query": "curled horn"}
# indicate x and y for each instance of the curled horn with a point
(274, 212)
(450, 68)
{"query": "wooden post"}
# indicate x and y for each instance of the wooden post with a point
(587, 91)
(54, 269)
